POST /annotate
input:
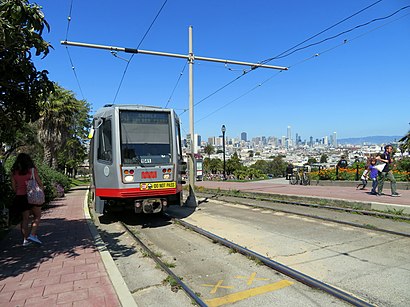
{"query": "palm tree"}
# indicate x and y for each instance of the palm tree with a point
(54, 123)
(405, 145)
(209, 150)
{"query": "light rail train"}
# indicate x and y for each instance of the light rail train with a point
(136, 159)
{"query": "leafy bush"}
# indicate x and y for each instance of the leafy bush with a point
(49, 177)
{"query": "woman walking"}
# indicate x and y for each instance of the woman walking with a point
(21, 172)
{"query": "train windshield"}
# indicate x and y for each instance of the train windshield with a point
(145, 138)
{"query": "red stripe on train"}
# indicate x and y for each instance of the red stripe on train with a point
(134, 192)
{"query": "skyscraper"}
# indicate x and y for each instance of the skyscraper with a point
(334, 139)
(289, 137)
(243, 136)
(289, 133)
(197, 142)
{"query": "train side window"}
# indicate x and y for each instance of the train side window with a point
(178, 137)
(105, 141)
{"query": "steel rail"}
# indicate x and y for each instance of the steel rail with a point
(403, 234)
(364, 212)
(288, 271)
(187, 290)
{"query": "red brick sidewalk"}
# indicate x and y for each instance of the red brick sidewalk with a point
(332, 192)
(66, 270)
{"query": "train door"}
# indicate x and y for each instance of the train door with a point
(102, 157)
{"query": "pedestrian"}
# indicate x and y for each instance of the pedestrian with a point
(289, 171)
(373, 173)
(387, 173)
(363, 178)
(21, 172)
(342, 162)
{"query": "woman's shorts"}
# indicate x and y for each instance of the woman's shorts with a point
(21, 204)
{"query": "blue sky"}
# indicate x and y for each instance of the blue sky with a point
(358, 85)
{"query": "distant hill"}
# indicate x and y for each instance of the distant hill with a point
(370, 140)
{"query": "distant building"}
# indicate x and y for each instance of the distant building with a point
(244, 136)
(334, 140)
(197, 143)
(283, 141)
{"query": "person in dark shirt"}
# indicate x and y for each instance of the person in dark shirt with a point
(387, 173)
(341, 164)
(289, 171)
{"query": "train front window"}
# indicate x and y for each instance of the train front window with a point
(145, 138)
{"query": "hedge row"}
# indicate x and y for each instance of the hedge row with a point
(50, 177)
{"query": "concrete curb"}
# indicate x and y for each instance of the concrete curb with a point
(121, 288)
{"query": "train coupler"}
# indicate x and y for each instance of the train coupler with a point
(150, 205)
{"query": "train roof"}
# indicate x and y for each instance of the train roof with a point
(108, 107)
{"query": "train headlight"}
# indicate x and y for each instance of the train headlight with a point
(128, 178)
(166, 176)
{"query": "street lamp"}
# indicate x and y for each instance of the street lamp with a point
(223, 129)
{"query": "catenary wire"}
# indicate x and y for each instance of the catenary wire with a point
(321, 32)
(75, 73)
(266, 61)
(69, 20)
(218, 90)
(179, 78)
(239, 97)
(300, 62)
(68, 51)
(350, 40)
(132, 56)
(297, 45)
(344, 32)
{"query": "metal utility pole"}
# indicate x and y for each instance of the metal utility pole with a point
(191, 201)
(223, 129)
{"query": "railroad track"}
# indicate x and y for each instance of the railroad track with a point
(245, 201)
(278, 267)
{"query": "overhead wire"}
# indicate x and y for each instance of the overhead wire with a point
(297, 45)
(344, 32)
(321, 32)
(307, 59)
(215, 92)
(377, 19)
(346, 41)
(68, 51)
(69, 20)
(173, 90)
(132, 56)
(239, 97)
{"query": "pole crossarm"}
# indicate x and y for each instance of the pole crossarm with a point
(174, 55)
(191, 200)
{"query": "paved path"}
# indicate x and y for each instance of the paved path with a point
(67, 270)
(280, 186)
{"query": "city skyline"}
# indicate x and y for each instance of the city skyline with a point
(330, 139)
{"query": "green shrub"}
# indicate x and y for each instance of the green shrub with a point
(49, 177)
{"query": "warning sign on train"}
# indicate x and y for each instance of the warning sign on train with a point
(158, 185)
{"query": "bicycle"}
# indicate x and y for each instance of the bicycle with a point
(297, 178)
(305, 178)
